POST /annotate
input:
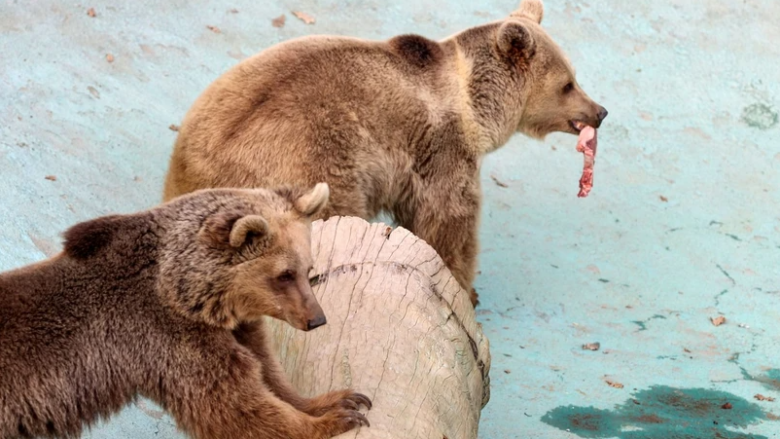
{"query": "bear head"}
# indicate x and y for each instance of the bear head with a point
(230, 256)
(522, 80)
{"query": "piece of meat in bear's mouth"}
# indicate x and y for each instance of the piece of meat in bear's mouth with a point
(586, 144)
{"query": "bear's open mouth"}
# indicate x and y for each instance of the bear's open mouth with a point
(576, 125)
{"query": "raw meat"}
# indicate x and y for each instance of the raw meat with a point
(586, 144)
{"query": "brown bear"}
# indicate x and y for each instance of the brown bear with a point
(167, 304)
(398, 126)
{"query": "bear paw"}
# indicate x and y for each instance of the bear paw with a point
(340, 399)
(339, 421)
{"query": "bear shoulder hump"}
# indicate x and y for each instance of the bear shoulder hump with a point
(417, 50)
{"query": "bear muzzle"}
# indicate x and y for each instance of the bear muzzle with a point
(315, 316)
(316, 322)
(600, 116)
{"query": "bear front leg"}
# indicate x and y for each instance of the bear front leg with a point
(446, 215)
(253, 336)
(246, 410)
(219, 402)
(456, 242)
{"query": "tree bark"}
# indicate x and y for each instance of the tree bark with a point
(400, 329)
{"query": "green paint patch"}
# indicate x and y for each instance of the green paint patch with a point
(759, 116)
(643, 323)
(770, 380)
(662, 412)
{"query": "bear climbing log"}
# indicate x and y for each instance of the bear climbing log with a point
(399, 327)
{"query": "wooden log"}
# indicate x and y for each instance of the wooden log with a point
(400, 330)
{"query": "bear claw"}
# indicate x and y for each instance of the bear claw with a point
(360, 399)
(360, 419)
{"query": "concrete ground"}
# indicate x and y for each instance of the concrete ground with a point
(683, 223)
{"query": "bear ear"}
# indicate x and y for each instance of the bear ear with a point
(312, 202)
(247, 226)
(225, 229)
(530, 9)
(515, 41)
(88, 238)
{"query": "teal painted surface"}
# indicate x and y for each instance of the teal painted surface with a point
(683, 223)
(665, 412)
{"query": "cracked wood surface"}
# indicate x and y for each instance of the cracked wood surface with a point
(400, 330)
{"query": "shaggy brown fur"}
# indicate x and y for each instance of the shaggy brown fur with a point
(167, 304)
(399, 126)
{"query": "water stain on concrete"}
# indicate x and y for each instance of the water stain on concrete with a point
(759, 116)
(664, 412)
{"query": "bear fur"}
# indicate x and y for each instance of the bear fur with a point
(167, 304)
(399, 126)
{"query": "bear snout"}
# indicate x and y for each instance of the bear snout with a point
(601, 114)
(316, 322)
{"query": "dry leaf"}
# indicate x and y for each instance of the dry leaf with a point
(214, 29)
(614, 384)
(91, 12)
(664, 199)
(591, 346)
(727, 406)
(51, 177)
(761, 397)
(279, 21)
(507, 371)
(717, 321)
(109, 57)
(304, 17)
(173, 127)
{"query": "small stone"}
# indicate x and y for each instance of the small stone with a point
(214, 29)
(727, 406)
(91, 12)
(173, 127)
(717, 321)
(761, 397)
(109, 57)
(591, 346)
(51, 177)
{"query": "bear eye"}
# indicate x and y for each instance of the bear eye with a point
(568, 88)
(286, 277)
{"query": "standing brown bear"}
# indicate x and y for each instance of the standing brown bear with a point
(167, 304)
(399, 126)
